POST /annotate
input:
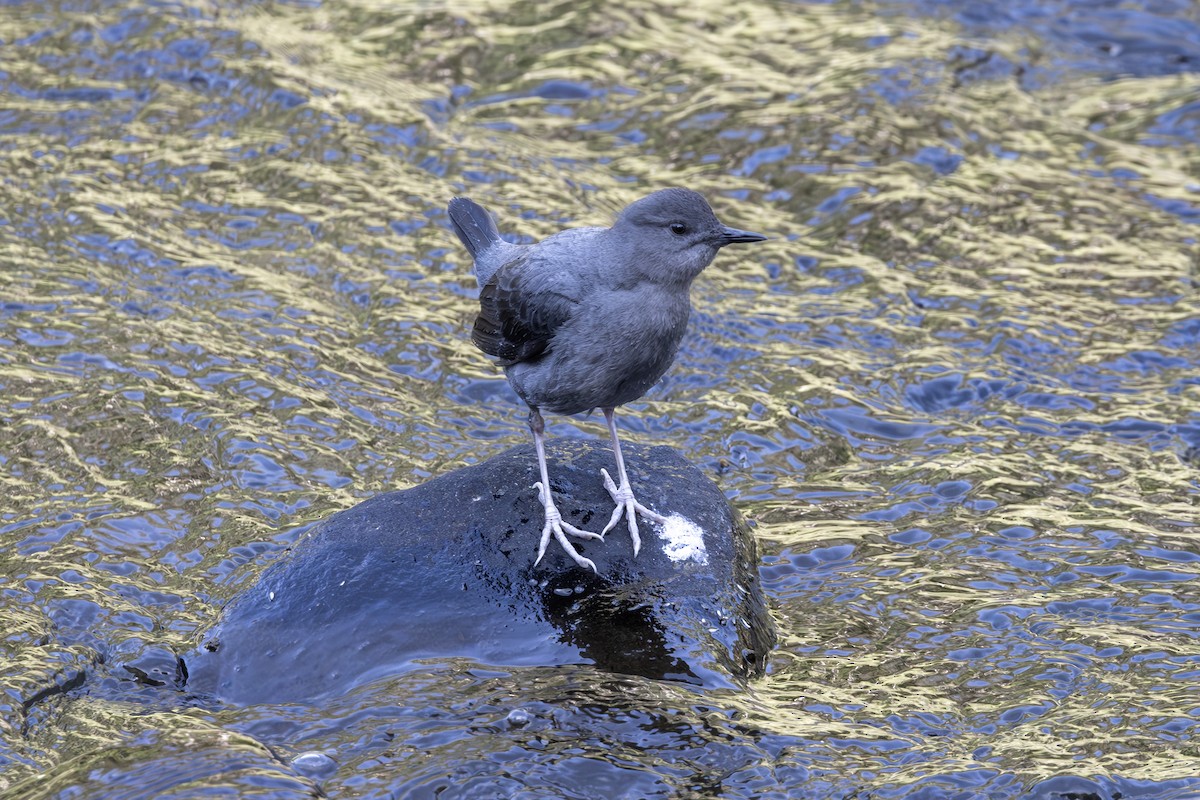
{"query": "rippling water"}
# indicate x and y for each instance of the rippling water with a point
(957, 392)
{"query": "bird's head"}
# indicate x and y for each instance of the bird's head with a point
(673, 235)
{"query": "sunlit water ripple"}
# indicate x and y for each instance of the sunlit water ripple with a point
(957, 392)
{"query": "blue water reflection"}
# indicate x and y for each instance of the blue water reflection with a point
(1106, 37)
(955, 392)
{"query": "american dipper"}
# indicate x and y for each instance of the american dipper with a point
(591, 318)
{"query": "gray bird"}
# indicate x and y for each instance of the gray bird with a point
(591, 318)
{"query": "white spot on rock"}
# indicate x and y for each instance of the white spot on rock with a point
(683, 540)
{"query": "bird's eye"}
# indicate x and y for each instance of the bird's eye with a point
(678, 228)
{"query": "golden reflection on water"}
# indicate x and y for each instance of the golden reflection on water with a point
(234, 308)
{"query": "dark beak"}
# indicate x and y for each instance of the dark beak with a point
(734, 236)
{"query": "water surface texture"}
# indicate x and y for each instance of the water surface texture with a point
(958, 391)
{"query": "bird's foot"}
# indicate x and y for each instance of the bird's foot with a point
(629, 507)
(556, 526)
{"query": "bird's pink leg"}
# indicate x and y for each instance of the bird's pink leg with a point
(554, 522)
(622, 495)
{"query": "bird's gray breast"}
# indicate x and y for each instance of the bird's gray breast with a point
(611, 353)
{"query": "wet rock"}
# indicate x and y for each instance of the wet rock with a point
(445, 570)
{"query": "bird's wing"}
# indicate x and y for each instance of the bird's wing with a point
(521, 307)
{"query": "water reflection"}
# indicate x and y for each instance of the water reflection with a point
(957, 391)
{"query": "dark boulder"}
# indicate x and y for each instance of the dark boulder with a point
(445, 570)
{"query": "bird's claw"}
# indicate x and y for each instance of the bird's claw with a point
(559, 528)
(629, 507)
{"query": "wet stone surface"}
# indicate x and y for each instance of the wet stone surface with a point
(446, 570)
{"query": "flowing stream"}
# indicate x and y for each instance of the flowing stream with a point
(958, 392)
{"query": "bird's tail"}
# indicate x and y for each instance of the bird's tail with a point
(473, 224)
